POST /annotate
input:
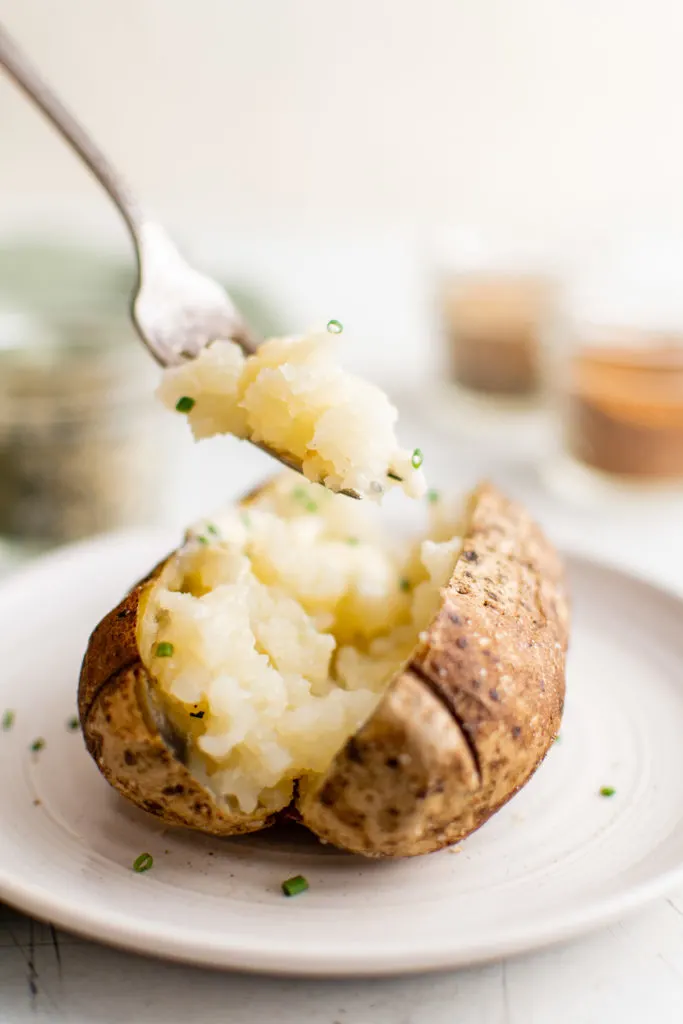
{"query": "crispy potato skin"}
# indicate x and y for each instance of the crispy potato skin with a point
(455, 735)
(123, 740)
(493, 661)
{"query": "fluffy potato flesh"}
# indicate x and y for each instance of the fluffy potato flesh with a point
(293, 397)
(271, 635)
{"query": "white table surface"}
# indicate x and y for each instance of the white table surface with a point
(627, 973)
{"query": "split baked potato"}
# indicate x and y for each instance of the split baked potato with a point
(288, 661)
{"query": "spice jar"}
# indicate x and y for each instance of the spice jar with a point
(495, 323)
(79, 439)
(618, 379)
(81, 442)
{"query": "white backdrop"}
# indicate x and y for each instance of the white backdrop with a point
(531, 115)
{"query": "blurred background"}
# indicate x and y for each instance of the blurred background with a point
(489, 196)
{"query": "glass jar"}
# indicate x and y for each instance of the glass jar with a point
(494, 325)
(81, 438)
(617, 376)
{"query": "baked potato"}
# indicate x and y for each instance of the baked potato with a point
(286, 662)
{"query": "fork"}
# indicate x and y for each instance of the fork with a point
(177, 311)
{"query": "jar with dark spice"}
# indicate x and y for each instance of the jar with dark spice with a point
(618, 383)
(81, 443)
(497, 302)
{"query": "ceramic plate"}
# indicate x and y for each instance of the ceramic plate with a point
(558, 860)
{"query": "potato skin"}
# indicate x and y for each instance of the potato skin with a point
(494, 662)
(455, 735)
(121, 735)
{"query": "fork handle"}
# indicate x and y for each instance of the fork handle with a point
(32, 83)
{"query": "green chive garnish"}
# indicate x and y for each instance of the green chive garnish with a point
(607, 791)
(293, 886)
(404, 584)
(73, 724)
(353, 541)
(143, 862)
(335, 326)
(212, 528)
(185, 404)
(7, 720)
(202, 539)
(37, 745)
(164, 649)
(417, 458)
(432, 497)
(395, 476)
(311, 506)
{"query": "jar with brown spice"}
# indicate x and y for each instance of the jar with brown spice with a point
(617, 376)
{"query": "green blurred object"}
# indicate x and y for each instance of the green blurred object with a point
(80, 443)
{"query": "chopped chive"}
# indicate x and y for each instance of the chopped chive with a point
(335, 326)
(143, 863)
(202, 539)
(432, 497)
(395, 476)
(417, 458)
(212, 528)
(293, 886)
(404, 584)
(196, 714)
(164, 649)
(8, 720)
(607, 791)
(311, 506)
(37, 745)
(73, 724)
(353, 541)
(185, 404)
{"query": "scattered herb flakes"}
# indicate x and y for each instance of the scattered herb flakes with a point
(37, 745)
(607, 791)
(417, 458)
(196, 714)
(73, 723)
(394, 476)
(294, 886)
(185, 404)
(212, 529)
(143, 863)
(301, 495)
(335, 326)
(404, 584)
(164, 649)
(433, 497)
(8, 720)
(202, 539)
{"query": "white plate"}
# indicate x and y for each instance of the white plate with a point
(558, 860)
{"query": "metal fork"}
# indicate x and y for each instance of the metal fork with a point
(177, 311)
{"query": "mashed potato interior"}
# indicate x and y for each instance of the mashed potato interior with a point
(293, 397)
(272, 633)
